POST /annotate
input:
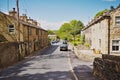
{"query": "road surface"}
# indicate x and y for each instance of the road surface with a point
(49, 64)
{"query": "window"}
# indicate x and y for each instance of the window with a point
(40, 32)
(115, 45)
(37, 31)
(117, 20)
(11, 28)
(29, 31)
(100, 43)
(99, 25)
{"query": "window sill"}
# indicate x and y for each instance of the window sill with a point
(115, 51)
(11, 32)
(117, 26)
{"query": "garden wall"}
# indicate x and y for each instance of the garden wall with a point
(9, 54)
(107, 67)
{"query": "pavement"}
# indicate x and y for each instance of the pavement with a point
(82, 69)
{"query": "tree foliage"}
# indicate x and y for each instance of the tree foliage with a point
(77, 27)
(68, 30)
(65, 27)
(82, 39)
(50, 32)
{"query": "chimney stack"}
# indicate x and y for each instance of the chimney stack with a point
(23, 17)
(13, 13)
(35, 22)
(30, 20)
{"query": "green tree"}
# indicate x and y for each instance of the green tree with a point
(50, 32)
(64, 31)
(66, 27)
(82, 39)
(68, 30)
(77, 27)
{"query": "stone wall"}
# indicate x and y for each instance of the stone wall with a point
(107, 67)
(87, 32)
(9, 54)
(12, 52)
(85, 54)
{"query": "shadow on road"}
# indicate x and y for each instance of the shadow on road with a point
(84, 72)
(19, 71)
(49, 50)
(57, 75)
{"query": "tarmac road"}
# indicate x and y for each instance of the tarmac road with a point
(49, 64)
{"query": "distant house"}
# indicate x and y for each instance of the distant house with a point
(53, 37)
(103, 32)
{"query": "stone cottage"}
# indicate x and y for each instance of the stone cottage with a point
(30, 31)
(103, 32)
(13, 47)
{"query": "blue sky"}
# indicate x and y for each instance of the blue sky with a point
(52, 13)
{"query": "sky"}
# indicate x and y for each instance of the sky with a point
(51, 14)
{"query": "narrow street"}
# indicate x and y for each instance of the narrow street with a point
(50, 64)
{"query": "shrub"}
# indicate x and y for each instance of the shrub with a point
(98, 51)
(87, 44)
(82, 39)
(75, 44)
(78, 39)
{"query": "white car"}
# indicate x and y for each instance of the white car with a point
(64, 46)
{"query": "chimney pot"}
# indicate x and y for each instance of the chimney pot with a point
(13, 13)
(24, 14)
(14, 9)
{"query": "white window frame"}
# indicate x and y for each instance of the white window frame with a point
(116, 45)
(13, 29)
(117, 21)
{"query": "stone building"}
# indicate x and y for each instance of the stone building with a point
(52, 37)
(32, 36)
(18, 42)
(103, 32)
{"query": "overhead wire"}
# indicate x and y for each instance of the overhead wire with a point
(25, 7)
(8, 5)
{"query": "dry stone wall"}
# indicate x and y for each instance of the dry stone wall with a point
(107, 67)
(9, 54)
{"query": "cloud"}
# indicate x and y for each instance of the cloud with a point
(51, 25)
(109, 0)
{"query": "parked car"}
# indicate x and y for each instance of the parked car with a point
(63, 47)
(53, 42)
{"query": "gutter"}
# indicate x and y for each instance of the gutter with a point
(109, 35)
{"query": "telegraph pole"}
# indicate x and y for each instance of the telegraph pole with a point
(18, 23)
